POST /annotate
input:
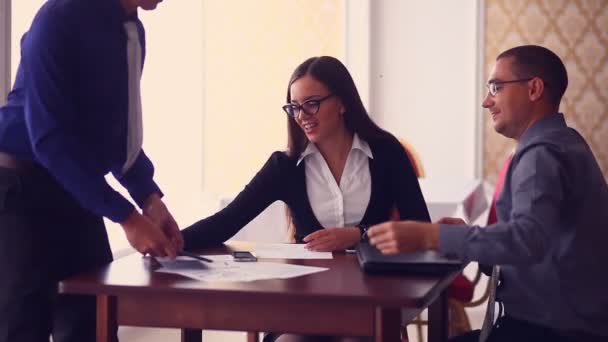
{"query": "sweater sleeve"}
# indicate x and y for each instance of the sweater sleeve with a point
(49, 110)
(537, 196)
(267, 186)
(139, 180)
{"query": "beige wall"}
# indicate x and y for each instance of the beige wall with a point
(577, 30)
(424, 79)
(251, 49)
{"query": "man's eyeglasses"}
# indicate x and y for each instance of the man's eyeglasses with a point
(495, 86)
(310, 107)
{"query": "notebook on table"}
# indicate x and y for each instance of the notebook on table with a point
(373, 261)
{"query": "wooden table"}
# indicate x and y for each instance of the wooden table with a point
(340, 301)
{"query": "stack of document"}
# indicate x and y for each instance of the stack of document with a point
(224, 268)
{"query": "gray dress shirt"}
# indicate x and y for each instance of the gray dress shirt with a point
(551, 238)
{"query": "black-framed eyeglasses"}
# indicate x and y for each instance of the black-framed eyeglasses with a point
(495, 86)
(310, 107)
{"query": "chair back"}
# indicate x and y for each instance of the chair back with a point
(414, 158)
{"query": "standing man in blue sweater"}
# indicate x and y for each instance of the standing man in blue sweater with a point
(73, 116)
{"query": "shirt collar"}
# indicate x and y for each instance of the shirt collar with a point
(358, 144)
(310, 149)
(362, 145)
(548, 123)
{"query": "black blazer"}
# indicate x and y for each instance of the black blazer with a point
(394, 184)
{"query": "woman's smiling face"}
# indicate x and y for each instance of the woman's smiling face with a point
(329, 118)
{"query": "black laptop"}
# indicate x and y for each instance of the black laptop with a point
(429, 262)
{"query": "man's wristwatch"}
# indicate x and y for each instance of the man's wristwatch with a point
(363, 229)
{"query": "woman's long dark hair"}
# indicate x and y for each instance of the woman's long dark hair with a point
(334, 75)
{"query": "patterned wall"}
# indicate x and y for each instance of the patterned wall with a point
(577, 30)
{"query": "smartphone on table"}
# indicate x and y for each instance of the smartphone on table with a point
(243, 256)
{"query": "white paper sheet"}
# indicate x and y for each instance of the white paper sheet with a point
(223, 268)
(288, 251)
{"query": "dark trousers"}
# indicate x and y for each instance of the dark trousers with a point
(45, 236)
(508, 329)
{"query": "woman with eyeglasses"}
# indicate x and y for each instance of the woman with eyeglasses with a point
(340, 173)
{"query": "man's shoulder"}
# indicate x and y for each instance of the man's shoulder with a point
(70, 11)
(63, 26)
(563, 140)
(52, 9)
(561, 152)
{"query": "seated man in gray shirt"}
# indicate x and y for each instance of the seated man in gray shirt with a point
(551, 237)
